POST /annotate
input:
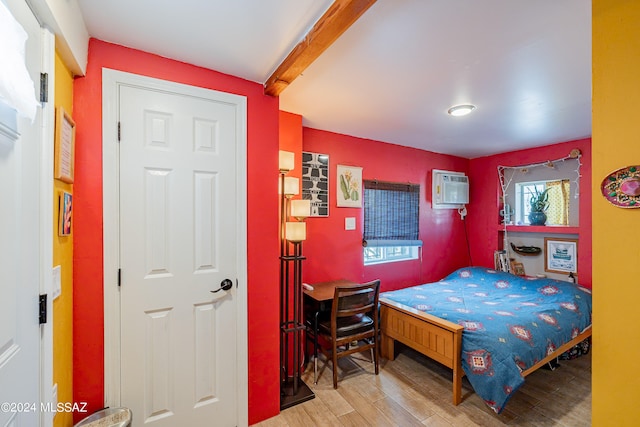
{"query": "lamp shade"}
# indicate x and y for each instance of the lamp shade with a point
(296, 231)
(285, 161)
(300, 208)
(291, 186)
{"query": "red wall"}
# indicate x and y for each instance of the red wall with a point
(333, 253)
(290, 134)
(484, 187)
(88, 376)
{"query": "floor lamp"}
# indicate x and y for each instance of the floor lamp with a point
(292, 233)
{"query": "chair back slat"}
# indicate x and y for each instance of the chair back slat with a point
(351, 300)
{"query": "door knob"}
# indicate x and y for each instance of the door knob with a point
(225, 285)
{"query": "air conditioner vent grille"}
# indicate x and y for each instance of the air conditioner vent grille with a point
(459, 178)
(450, 189)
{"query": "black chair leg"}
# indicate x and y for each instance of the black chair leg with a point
(376, 356)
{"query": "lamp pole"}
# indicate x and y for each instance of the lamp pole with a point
(292, 389)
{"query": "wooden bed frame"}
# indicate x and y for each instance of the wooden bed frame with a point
(438, 339)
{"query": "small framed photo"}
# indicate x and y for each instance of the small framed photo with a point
(560, 255)
(349, 191)
(64, 228)
(517, 268)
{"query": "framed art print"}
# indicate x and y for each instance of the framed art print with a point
(315, 182)
(349, 191)
(517, 268)
(64, 228)
(64, 146)
(560, 255)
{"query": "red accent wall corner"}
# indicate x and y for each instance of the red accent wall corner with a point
(485, 190)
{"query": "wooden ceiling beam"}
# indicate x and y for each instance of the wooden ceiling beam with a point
(335, 21)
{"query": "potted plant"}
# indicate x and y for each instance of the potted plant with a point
(539, 203)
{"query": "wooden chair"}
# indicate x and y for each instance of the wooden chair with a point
(354, 317)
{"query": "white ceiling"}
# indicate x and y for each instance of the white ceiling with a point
(525, 64)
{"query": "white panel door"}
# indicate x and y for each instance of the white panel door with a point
(20, 247)
(178, 239)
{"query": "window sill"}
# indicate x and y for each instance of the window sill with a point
(387, 261)
(549, 229)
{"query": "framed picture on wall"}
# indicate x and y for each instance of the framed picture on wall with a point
(560, 255)
(349, 191)
(315, 182)
(64, 146)
(64, 228)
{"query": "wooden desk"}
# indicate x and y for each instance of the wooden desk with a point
(324, 291)
(317, 301)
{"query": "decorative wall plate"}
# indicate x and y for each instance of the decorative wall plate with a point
(526, 250)
(622, 187)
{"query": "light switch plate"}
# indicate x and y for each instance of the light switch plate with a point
(350, 223)
(57, 285)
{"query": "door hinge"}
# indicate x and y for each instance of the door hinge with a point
(119, 276)
(236, 283)
(118, 131)
(44, 87)
(42, 310)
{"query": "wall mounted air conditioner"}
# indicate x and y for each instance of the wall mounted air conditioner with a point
(450, 190)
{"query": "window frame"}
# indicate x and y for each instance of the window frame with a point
(524, 191)
(384, 257)
(523, 207)
(385, 241)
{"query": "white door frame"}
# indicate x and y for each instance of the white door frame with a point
(46, 225)
(111, 80)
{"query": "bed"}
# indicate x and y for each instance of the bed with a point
(493, 327)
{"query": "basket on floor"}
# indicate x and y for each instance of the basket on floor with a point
(109, 417)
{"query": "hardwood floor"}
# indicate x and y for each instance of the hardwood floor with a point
(415, 391)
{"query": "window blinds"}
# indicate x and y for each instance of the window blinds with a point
(391, 214)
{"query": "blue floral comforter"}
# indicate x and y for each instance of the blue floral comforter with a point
(510, 322)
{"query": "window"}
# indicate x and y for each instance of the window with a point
(382, 254)
(558, 210)
(391, 222)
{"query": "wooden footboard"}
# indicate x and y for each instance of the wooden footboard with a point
(432, 336)
(438, 339)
